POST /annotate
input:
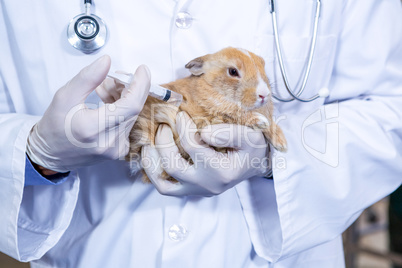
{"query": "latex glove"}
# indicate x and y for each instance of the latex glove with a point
(212, 172)
(71, 135)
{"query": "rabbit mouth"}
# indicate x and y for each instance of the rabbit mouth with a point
(260, 102)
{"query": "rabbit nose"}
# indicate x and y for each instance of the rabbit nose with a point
(262, 98)
(262, 91)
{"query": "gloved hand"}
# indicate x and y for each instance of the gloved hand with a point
(213, 172)
(71, 135)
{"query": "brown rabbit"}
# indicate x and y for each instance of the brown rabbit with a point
(229, 86)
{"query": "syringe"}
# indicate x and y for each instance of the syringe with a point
(155, 91)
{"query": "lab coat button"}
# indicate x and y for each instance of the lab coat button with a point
(184, 20)
(177, 232)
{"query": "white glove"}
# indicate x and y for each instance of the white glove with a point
(71, 135)
(213, 172)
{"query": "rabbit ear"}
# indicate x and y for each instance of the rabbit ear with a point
(196, 65)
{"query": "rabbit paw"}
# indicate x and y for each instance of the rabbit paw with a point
(262, 121)
(278, 140)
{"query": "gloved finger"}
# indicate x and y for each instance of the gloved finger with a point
(133, 98)
(78, 88)
(152, 165)
(104, 95)
(190, 139)
(233, 136)
(130, 104)
(173, 162)
(109, 91)
(124, 89)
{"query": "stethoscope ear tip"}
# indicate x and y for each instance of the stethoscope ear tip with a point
(323, 92)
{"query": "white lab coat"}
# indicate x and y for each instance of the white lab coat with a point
(343, 156)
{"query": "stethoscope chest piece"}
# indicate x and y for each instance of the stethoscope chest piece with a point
(87, 32)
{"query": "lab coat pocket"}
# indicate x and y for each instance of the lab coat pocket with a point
(295, 53)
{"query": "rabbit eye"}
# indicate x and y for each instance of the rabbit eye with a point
(233, 72)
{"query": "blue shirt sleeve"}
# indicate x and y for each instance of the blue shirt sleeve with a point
(33, 177)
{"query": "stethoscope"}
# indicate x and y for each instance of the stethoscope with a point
(88, 33)
(322, 93)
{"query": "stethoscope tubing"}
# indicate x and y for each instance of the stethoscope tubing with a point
(295, 96)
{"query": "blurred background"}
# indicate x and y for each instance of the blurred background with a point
(373, 241)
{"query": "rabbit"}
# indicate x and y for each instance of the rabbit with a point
(229, 86)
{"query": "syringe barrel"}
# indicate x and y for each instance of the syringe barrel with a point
(155, 91)
(165, 95)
